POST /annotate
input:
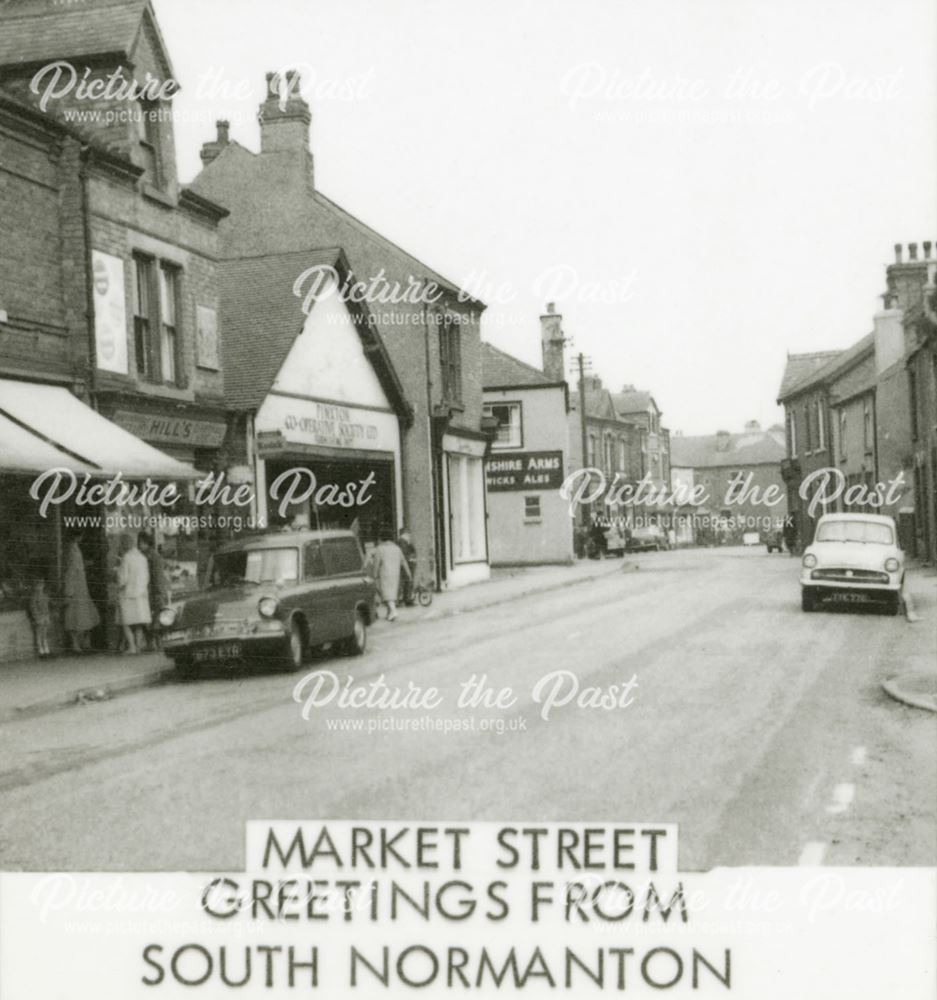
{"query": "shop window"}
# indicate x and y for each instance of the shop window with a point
(450, 358)
(532, 510)
(508, 415)
(342, 555)
(467, 508)
(314, 563)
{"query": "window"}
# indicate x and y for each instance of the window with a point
(808, 429)
(168, 347)
(532, 509)
(450, 358)
(912, 403)
(608, 452)
(590, 454)
(868, 426)
(342, 555)
(314, 563)
(820, 422)
(254, 566)
(149, 138)
(508, 415)
(842, 434)
(142, 315)
(467, 509)
(622, 455)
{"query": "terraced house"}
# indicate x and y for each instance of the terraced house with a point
(869, 413)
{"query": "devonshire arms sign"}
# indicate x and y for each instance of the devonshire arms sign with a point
(525, 470)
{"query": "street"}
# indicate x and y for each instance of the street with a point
(761, 730)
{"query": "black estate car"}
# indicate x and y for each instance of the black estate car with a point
(270, 599)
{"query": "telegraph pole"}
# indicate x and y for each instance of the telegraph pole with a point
(582, 363)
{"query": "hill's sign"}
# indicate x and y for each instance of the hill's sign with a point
(525, 470)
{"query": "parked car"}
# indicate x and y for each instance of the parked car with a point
(647, 538)
(853, 558)
(270, 599)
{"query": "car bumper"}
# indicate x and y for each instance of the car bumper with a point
(888, 583)
(247, 644)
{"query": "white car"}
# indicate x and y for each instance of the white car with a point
(855, 558)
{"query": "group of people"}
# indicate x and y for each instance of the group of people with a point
(140, 589)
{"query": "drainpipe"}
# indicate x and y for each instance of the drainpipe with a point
(431, 445)
(89, 278)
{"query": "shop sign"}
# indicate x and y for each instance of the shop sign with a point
(525, 470)
(110, 312)
(172, 429)
(326, 425)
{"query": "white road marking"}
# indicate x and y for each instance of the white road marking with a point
(858, 756)
(812, 854)
(842, 798)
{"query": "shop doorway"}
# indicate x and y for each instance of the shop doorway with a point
(359, 494)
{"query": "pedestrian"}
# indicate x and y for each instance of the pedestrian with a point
(387, 564)
(40, 614)
(159, 593)
(409, 553)
(133, 580)
(80, 613)
(790, 533)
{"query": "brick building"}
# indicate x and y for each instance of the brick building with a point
(868, 413)
(108, 284)
(719, 463)
(429, 329)
(639, 407)
(529, 522)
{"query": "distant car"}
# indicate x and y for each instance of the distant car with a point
(773, 538)
(651, 537)
(853, 558)
(272, 598)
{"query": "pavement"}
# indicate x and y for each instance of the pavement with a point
(35, 686)
(916, 684)
(762, 731)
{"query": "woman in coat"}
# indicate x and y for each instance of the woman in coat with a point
(80, 613)
(133, 581)
(388, 563)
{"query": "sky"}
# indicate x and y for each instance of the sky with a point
(701, 187)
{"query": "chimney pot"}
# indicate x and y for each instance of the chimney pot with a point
(551, 307)
(897, 253)
(223, 127)
(912, 252)
(927, 246)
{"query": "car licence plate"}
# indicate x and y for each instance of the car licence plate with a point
(218, 653)
(850, 597)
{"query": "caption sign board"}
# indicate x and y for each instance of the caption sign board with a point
(525, 470)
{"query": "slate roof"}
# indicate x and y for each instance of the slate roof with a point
(501, 370)
(632, 401)
(800, 367)
(261, 318)
(32, 31)
(709, 451)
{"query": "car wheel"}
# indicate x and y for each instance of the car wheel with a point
(357, 642)
(808, 599)
(295, 648)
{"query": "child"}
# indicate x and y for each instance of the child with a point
(41, 615)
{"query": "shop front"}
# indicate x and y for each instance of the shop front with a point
(324, 464)
(464, 514)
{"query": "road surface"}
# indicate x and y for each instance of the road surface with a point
(762, 731)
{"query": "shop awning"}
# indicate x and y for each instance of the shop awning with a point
(73, 431)
(22, 452)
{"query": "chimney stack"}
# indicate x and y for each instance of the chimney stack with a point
(211, 149)
(285, 120)
(553, 344)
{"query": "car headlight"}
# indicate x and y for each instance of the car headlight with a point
(267, 606)
(892, 565)
(810, 560)
(167, 617)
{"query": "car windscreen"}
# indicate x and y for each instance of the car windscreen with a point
(856, 531)
(255, 566)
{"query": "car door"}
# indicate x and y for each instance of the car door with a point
(345, 567)
(320, 602)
